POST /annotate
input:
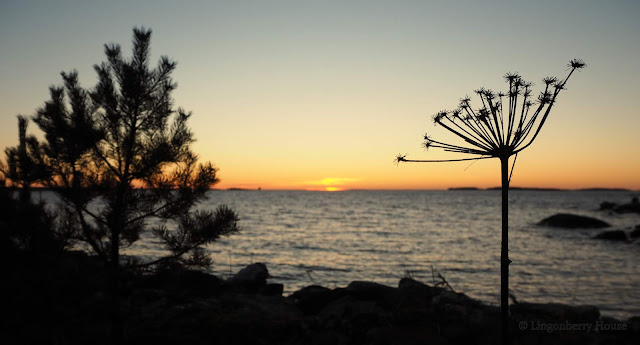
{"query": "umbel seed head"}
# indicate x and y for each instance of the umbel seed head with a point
(577, 64)
(502, 127)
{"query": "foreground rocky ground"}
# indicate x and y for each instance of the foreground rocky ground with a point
(61, 301)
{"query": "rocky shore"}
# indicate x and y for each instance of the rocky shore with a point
(61, 301)
(573, 221)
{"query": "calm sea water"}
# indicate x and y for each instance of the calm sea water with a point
(334, 238)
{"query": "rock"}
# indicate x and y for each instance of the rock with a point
(631, 207)
(407, 283)
(357, 316)
(368, 291)
(254, 275)
(572, 221)
(262, 307)
(414, 301)
(200, 283)
(414, 288)
(612, 235)
(274, 289)
(184, 282)
(459, 298)
(336, 310)
(405, 335)
(634, 324)
(311, 299)
(606, 205)
(555, 312)
(636, 232)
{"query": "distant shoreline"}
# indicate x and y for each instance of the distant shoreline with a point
(593, 189)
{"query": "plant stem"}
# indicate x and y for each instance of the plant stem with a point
(504, 257)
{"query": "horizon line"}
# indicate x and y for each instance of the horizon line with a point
(620, 189)
(433, 189)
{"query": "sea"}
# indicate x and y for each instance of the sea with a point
(334, 238)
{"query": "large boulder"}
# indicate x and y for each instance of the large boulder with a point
(572, 221)
(612, 235)
(254, 275)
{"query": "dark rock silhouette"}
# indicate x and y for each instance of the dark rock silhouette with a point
(252, 275)
(636, 232)
(572, 221)
(631, 207)
(607, 205)
(253, 279)
(612, 235)
(312, 298)
(64, 300)
(556, 312)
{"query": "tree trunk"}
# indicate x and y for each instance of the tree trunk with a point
(504, 256)
(117, 329)
(117, 324)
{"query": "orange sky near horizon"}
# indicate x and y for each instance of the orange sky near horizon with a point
(324, 95)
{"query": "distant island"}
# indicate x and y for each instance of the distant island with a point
(531, 189)
(546, 189)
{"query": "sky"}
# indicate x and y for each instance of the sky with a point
(322, 95)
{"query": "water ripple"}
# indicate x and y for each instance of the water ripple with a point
(334, 238)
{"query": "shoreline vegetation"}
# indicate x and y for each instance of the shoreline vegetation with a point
(60, 299)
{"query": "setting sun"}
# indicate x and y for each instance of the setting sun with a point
(329, 184)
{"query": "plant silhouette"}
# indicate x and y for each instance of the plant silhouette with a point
(491, 131)
(119, 157)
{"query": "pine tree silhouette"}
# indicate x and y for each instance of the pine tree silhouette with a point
(118, 155)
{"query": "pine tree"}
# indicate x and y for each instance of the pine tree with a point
(119, 157)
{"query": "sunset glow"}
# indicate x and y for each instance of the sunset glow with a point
(330, 184)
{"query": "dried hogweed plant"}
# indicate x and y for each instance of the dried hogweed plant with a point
(502, 126)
